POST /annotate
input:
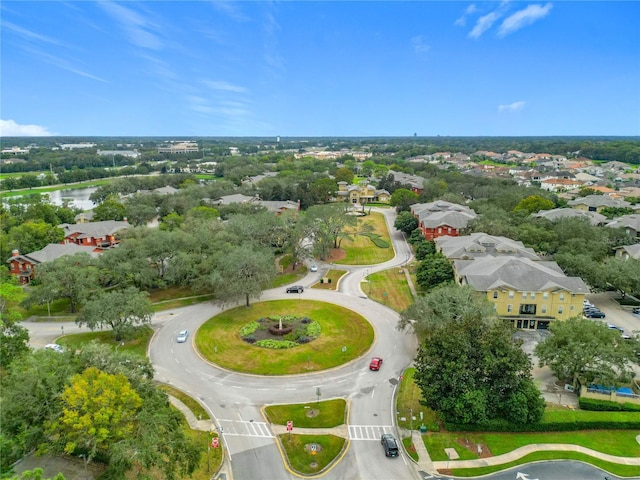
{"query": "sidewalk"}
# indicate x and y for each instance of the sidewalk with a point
(206, 426)
(538, 447)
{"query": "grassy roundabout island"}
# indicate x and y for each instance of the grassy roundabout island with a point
(220, 339)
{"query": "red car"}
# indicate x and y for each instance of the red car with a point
(376, 363)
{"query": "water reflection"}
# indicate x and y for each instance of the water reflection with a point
(75, 197)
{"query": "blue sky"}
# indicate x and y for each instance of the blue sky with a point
(330, 68)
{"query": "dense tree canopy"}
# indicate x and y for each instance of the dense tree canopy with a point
(585, 351)
(469, 368)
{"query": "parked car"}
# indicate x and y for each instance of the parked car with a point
(594, 314)
(182, 336)
(55, 347)
(295, 289)
(389, 444)
(615, 327)
(313, 268)
(636, 310)
(587, 303)
(376, 363)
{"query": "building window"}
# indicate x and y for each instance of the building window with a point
(562, 297)
(509, 308)
(439, 229)
(510, 294)
(545, 295)
(495, 294)
(560, 309)
(528, 309)
(449, 230)
(524, 295)
(533, 295)
(544, 309)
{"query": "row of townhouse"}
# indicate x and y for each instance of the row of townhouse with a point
(91, 238)
(525, 289)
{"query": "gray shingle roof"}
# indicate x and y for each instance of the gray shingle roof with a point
(93, 229)
(54, 251)
(520, 274)
(626, 221)
(599, 201)
(594, 218)
(479, 245)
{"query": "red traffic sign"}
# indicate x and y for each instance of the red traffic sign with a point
(215, 443)
(289, 426)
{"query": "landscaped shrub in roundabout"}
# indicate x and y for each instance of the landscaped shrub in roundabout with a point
(318, 332)
(281, 331)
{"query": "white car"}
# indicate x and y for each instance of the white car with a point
(182, 336)
(55, 347)
(313, 268)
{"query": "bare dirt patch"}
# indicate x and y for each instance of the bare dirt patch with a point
(479, 449)
(336, 255)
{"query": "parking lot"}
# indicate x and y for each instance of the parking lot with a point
(553, 390)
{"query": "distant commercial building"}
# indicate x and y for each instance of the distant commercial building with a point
(181, 147)
(76, 146)
(15, 151)
(124, 153)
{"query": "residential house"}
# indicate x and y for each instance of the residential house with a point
(631, 224)
(279, 206)
(560, 184)
(23, 266)
(628, 251)
(440, 218)
(478, 245)
(416, 183)
(362, 193)
(559, 213)
(595, 203)
(101, 235)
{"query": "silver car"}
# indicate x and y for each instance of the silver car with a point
(182, 336)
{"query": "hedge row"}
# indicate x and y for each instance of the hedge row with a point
(558, 421)
(607, 406)
(377, 240)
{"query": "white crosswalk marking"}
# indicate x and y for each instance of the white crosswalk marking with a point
(368, 432)
(243, 428)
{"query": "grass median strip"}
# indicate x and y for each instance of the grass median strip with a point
(301, 456)
(326, 414)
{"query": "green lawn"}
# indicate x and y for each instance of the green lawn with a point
(408, 402)
(327, 414)
(298, 451)
(360, 250)
(410, 448)
(218, 339)
(389, 288)
(614, 442)
(137, 345)
(334, 277)
(189, 401)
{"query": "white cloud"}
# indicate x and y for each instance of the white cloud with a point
(419, 45)
(462, 21)
(28, 34)
(484, 23)
(63, 64)
(137, 27)
(9, 128)
(225, 86)
(230, 9)
(511, 107)
(524, 17)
